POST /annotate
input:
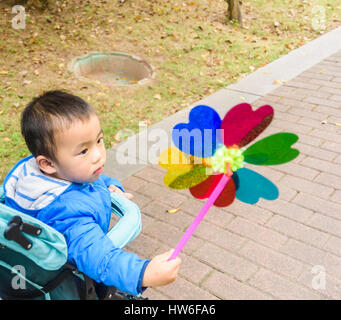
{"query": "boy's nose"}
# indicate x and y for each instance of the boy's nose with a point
(96, 156)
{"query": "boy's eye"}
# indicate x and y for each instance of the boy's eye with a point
(100, 140)
(84, 151)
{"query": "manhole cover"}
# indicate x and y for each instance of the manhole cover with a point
(112, 68)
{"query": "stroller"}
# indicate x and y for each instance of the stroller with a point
(33, 257)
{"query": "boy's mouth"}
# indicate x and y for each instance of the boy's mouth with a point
(99, 170)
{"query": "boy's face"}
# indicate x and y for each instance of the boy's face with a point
(80, 151)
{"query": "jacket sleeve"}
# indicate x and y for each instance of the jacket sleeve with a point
(108, 181)
(94, 254)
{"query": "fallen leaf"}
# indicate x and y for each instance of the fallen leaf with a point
(173, 210)
(157, 96)
(277, 82)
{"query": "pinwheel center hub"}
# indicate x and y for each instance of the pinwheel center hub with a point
(223, 155)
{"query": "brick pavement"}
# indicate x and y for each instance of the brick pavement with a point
(274, 249)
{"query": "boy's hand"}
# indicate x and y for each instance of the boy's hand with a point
(160, 271)
(113, 188)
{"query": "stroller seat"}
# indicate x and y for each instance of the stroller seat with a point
(33, 256)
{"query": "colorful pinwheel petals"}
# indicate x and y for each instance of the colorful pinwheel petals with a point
(208, 148)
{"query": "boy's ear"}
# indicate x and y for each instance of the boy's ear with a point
(45, 164)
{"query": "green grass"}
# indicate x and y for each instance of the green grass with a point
(194, 50)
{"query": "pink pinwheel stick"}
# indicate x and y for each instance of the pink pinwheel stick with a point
(212, 198)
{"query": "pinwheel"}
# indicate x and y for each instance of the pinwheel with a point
(209, 154)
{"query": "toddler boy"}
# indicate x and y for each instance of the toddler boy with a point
(61, 184)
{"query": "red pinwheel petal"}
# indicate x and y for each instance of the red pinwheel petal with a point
(241, 124)
(204, 189)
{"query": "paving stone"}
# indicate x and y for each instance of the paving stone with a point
(336, 197)
(219, 236)
(328, 111)
(293, 103)
(271, 259)
(182, 289)
(313, 141)
(216, 215)
(333, 245)
(326, 224)
(321, 282)
(338, 160)
(285, 193)
(286, 209)
(258, 215)
(328, 208)
(292, 127)
(139, 199)
(303, 84)
(260, 234)
(227, 288)
(331, 90)
(151, 174)
(307, 186)
(153, 294)
(329, 179)
(322, 165)
(144, 246)
(160, 212)
(133, 183)
(303, 252)
(280, 287)
(309, 114)
(333, 146)
(162, 193)
(318, 153)
(226, 262)
(319, 82)
(298, 231)
(332, 264)
(298, 170)
(194, 270)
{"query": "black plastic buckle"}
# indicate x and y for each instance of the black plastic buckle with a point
(14, 232)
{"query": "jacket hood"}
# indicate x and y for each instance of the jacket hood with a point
(30, 188)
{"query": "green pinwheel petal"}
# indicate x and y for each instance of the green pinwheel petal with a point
(272, 150)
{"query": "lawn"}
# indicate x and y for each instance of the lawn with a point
(195, 51)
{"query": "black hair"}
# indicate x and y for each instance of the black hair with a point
(47, 113)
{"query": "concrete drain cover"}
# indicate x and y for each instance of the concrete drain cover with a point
(112, 68)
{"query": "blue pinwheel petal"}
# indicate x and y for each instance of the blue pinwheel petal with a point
(201, 135)
(251, 186)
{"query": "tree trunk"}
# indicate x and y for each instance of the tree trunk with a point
(234, 12)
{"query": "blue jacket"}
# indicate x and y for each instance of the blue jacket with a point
(82, 212)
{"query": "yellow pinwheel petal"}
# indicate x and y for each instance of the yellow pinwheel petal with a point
(183, 170)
